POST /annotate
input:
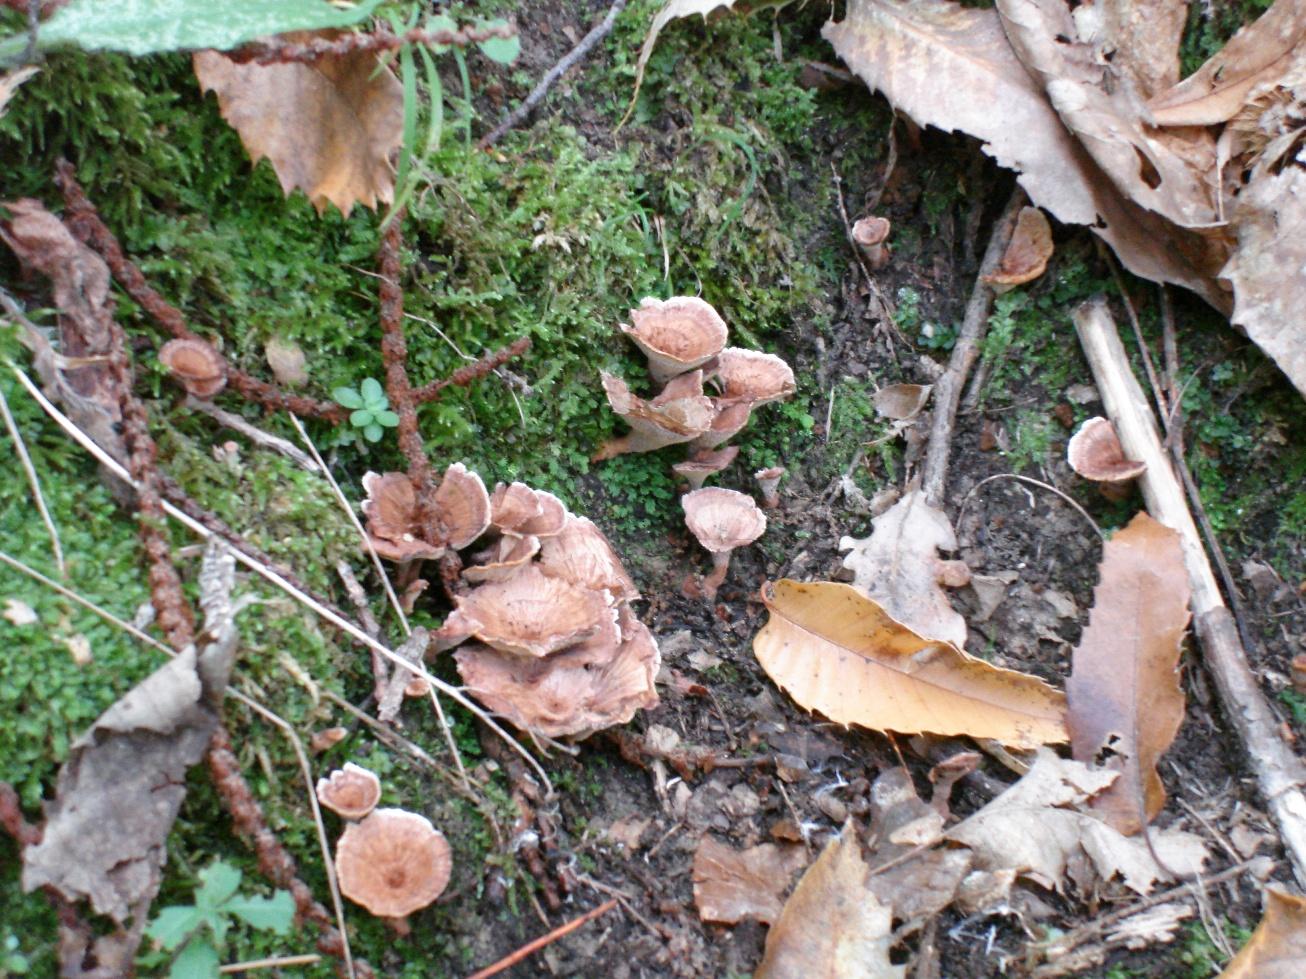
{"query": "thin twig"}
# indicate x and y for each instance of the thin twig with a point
(251, 432)
(531, 947)
(1033, 482)
(582, 48)
(308, 601)
(277, 51)
(1153, 380)
(34, 481)
(872, 287)
(948, 389)
(380, 672)
(279, 962)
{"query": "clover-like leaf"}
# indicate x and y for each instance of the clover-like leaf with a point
(172, 925)
(371, 391)
(218, 882)
(361, 418)
(198, 960)
(504, 50)
(347, 397)
(275, 913)
(385, 417)
(373, 433)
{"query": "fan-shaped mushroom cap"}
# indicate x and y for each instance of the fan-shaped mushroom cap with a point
(515, 508)
(505, 558)
(768, 481)
(753, 376)
(462, 506)
(530, 614)
(1095, 453)
(722, 519)
(1027, 253)
(350, 792)
(393, 863)
(391, 512)
(704, 464)
(729, 420)
(677, 335)
(581, 555)
(196, 364)
(574, 693)
(680, 413)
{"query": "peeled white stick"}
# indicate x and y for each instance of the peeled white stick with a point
(1280, 774)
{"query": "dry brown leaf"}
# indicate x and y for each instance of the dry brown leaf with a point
(832, 927)
(1123, 693)
(838, 652)
(731, 885)
(1267, 265)
(1140, 37)
(674, 10)
(898, 566)
(952, 67)
(1258, 54)
(1106, 116)
(901, 402)
(1036, 828)
(1277, 949)
(328, 128)
(10, 81)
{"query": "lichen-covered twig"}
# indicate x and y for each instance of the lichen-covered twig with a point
(473, 371)
(394, 354)
(278, 51)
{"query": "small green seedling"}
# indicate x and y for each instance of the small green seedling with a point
(216, 901)
(369, 408)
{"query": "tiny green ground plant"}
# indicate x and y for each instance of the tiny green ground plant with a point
(197, 932)
(369, 408)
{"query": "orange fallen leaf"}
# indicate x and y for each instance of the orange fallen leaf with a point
(731, 885)
(838, 652)
(1277, 949)
(832, 927)
(328, 128)
(1123, 690)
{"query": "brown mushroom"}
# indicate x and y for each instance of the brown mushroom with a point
(680, 413)
(393, 863)
(574, 693)
(504, 559)
(872, 236)
(752, 376)
(729, 420)
(1027, 254)
(350, 792)
(701, 465)
(392, 522)
(197, 365)
(581, 555)
(530, 613)
(462, 506)
(677, 335)
(1095, 453)
(515, 508)
(901, 402)
(768, 481)
(721, 520)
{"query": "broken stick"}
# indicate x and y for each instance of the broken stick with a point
(1279, 773)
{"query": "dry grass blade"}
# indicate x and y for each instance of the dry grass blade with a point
(32, 480)
(1123, 693)
(836, 651)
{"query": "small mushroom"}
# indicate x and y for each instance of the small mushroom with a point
(677, 335)
(392, 523)
(1027, 254)
(581, 555)
(515, 508)
(872, 236)
(197, 365)
(768, 481)
(286, 358)
(721, 520)
(530, 614)
(393, 863)
(752, 376)
(701, 465)
(573, 693)
(350, 792)
(1095, 453)
(680, 413)
(462, 507)
(504, 559)
(729, 420)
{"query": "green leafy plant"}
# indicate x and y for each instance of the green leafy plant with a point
(200, 929)
(369, 407)
(12, 961)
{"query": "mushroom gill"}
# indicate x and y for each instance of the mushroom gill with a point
(393, 862)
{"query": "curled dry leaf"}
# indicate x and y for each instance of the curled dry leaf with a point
(1123, 692)
(1027, 254)
(731, 885)
(1277, 949)
(838, 652)
(1037, 828)
(898, 566)
(328, 128)
(832, 927)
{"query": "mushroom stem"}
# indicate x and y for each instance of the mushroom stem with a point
(720, 566)
(399, 926)
(768, 481)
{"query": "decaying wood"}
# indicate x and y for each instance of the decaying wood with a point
(1279, 773)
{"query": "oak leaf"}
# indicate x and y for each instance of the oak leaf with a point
(1140, 37)
(731, 885)
(840, 653)
(832, 927)
(328, 127)
(1123, 692)
(1277, 949)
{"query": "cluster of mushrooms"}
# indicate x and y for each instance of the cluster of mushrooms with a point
(684, 339)
(545, 633)
(391, 861)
